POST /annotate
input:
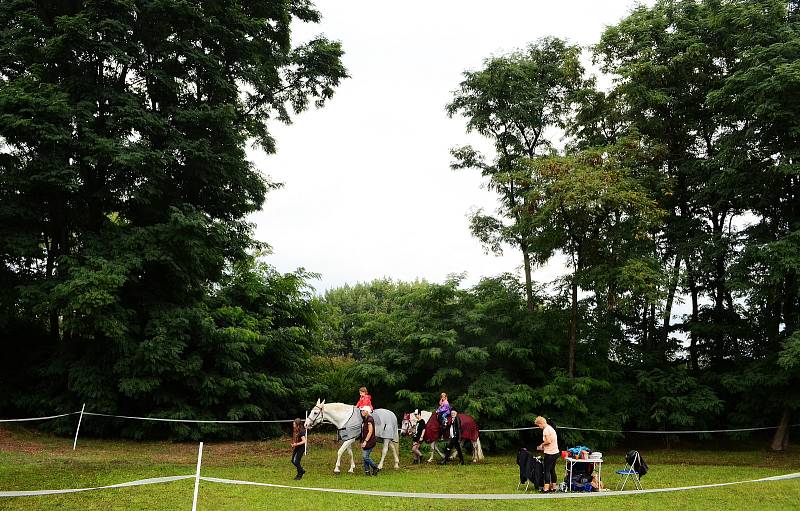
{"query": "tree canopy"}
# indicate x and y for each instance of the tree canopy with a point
(124, 191)
(130, 277)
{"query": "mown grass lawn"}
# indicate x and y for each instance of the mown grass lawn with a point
(30, 461)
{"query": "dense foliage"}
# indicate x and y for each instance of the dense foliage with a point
(128, 277)
(679, 185)
(124, 185)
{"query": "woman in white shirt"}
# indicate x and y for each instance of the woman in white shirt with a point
(549, 447)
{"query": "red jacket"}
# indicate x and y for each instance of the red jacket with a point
(365, 401)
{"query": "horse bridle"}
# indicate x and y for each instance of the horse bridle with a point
(321, 415)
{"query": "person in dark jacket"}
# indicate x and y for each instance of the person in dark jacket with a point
(455, 438)
(368, 440)
(417, 441)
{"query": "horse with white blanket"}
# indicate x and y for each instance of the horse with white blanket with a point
(347, 419)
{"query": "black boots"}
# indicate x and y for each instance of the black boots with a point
(299, 474)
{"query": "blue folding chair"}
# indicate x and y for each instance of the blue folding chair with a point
(632, 462)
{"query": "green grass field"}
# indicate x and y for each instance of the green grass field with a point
(32, 461)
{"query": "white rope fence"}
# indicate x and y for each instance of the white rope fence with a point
(190, 421)
(48, 417)
(140, 482)
(415, 495)
(645, 432)
(82, 412)
(374, 493)
(496, 496)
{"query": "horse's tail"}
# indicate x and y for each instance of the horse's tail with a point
(478, 449)
(396, 425)
(393, 423)
(388, 429)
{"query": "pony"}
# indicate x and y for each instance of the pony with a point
(469, 431)
(347, 419)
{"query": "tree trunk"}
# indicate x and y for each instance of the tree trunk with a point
(573, 327)
(645, 330)
(652, 326)
(790, 303)
(720, 345)
(673, 285)
(693, 358)
(49, 271)
(55, 248)
(773, 324)
(780, 442)
(528, 280)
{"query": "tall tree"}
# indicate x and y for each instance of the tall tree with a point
(124, 183)
(759, 95)
(595, 210)
(711, 82)
(515, 101)
(668, 58)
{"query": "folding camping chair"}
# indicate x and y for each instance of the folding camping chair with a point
(633, 462)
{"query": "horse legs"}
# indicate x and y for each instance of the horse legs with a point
(345, 447)
(396, 456)
(352, 460)
(454, 453)
(383, 452)
(434, 450)
(474, 449)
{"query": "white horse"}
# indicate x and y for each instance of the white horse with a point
(431, 434)
(347, 419)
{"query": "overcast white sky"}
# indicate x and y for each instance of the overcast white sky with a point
(368, 189)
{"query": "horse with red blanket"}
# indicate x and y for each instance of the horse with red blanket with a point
(433, 432)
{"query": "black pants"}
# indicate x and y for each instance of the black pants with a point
(453, 443)
(550, 468)
(297, 456)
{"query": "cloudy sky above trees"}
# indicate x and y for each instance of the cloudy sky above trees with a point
(368, 191)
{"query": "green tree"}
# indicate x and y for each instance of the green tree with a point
(482, 346)
(595, 210)
(758, 94)
(515, 101)
(710, 82)
(124, 184)
(667, 60)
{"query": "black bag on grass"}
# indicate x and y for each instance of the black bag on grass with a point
(537, 472)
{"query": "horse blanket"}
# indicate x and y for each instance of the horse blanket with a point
(469, 429)
(385, 425)
(351, 428)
